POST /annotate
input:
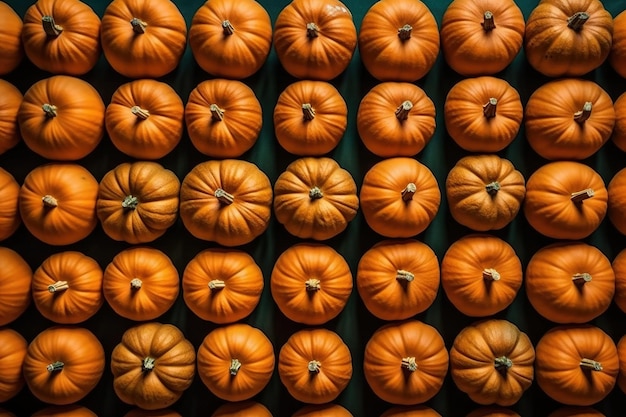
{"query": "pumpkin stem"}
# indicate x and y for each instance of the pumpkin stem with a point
(315, 193)
(142, 114)
(582, 115)
(404, 33)
(409, 364)
(50, 27)
(488, 24)
(409, 190)
(577, 20)
(308, 112)
(502, 363)
(224, 197)
(235, 365)
(314, 366)
(58, 286)
(130, 202)
(216, 284)
(228, 28)
(581, 278)
(217, 113)
(492, 188)
(580, 196)
(312, 284)
(49, 201)
(147, 364)
(404, 276)
(139, 26)
(135, 284)
(402, 112)
(490, 274)
(55, 366)
(312, 31)
(50, 110)
(590, 364)
(489, 109)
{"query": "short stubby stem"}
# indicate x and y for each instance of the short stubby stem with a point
(315, 193)
(216, 284)
(582, 115)
(489, 108)
(58, 286)
(314, 366)
(409, 364)
(139, 26)
(312, 285)
(235, 365)
(590, 364)
(502, 363)
(55, 366)
(403, 110)
(135, 283)
(490, 274)
(488, 24)
(492, 188)
(581, 278)
(50, 27)
(312, 31)
(217, 113)
(130, 202)
(49, 201)
(577, 20)
(580, 196)
(50, 110)
(224, 197)
(308, 112)
(228, 27)
(404, 276)
(409, 191)
(404, 33)
(141, 114)
(147, 364)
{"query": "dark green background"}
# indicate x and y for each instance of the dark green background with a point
(355, 324)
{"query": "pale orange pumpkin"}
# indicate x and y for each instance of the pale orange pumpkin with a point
(12, 51)
(65, 411)
(10, 218)
(12, 353)
(619, 129)
(15, 280)
(242, 409)
(410, 411)
(621, 353)
(617, 57)
(619, 268)
(322, 410)
(10, 101)
(616, 210)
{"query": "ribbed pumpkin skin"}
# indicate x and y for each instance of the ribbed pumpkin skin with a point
(10, 218)
(619, 129)
(65, 411)
(242, 409)
(493, 411)
(617, 57)
(322, 410)
(12, 353)
(138, 412)
(10, 101)
(619, 268)
(410, 411)
(575, 412)
(15, 279)
(10, 38)
(621, 352)
(617, 201)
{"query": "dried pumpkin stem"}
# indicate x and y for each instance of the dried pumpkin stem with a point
(590, 364)
(235, 365)
(142, 114)
(139, 26)
(55, 366)
(403, 110)
(312, 284)
(228, 27)
(147, 364)
(577, 20)
(135, 283)
(315, 193)
(49, 201)
(490, 274)
(582, 115)
(314, 366)
(312, 30)
(404, 33)
(492, 188)
(409, 364)
(409, 191)
(308, 112)
(580, 196)
(224, 197)
(489, 108)
(217, 113)
(58, 286)
(404, 276)
(581, 278)
(50, 27)
(216, 284)
(488, 24)
(49, 109)
(502, 363)
(130, 202)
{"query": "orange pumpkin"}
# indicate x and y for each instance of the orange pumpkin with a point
(62, 118)
(398, 40)
(10, 101)
(493, 411)
(12, 51)
(481, 37)
(138, 412)
(58, 203)
(152, 365)
(227, 201)
(568, 119)
(619, 129)
(67, 287)
(65, 411)
(15, 280)
(575, 412)
(222, 285)
(576, 364)
(12, 353)
(322, 410)
(9, 209)
(138, 201)
(63, 364)
(619, 268)
(617, 56)
(399, 197)
(406, 362)
(570, 282)
(315, 365)
(396, 119)
(314, 198)
(484, 192)
(230, 39)
(621, 352)
(143, 38)
(310, 118)
(223, 118)
(565, 200)
(398, 279)
(242, 409)
(311, 283)
(140, 283)
(481, 275)
(410, 411)
(483, 114)
(616, 210)
(235, 362)
(568, 38)
(315, 39)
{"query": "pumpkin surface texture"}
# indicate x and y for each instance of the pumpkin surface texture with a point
(493, 411)
(65, 411)
(619, 129)
(575, 412)
(617, 57)
(10, 101)
(619, 268)
(10, 218)
(410, 411)
(12, 51)
(616, 210)
(12, 353)
(621, 352)
(165, 412)
(15, 279)
(242, 409)
(322, 410)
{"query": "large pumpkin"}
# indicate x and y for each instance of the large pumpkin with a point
(230, 39)
(152, 365)
(15, 280)
(621, 352)
(315, 39)
(10, 218)
(12, 51)
(242, 409)
(227, 201)
(143, 38)
(575, 412)
(322, 410)
(62, 118)
(617, 57)
(410, 411)
(10, 101)
(616, 210)
(12, 353)
(619, 129)
(315, 198)
(619, 268)
(568, 38)
(65, 411)
(138, 201)
(398, 40)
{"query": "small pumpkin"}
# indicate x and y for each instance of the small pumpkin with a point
(143, 38)
(410, 411)
(138, 201)
(222, 285)
(398, 40)
(227, 201)
(10, 218)
(242, 409)
(310, 118)
(616, 210)
(399, 197)
(140, 283)
(65, 411)
(617, 56)
(315, 39)
(10, 101)
(165, 412)
(12, 353)
(565, 200)
(230, 39)
(15, 280)
(12, 52)
(152, 365)
(73, 355)
(396, 119)
(322, 410)
(315, 198)
(619, 268)
(621, 352)
(223, 118)
(235, 362)
(575, 412)
(315, 365)
(493, 411)
(619, 129)
(483, 114)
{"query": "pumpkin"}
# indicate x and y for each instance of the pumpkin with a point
(621, 352)
(481, 274)
(568, 119)
(235, 362)
(12, 51)
(315, 365)
(140, 283)
(616, 200)
(570, 282)
(399, 197)
(242, 409)
(492, 362)
(62, 36)
(67, 287)
(397, 279)
(9, 209)
(227, 201)
(565, 200)
(138, 412)
(61, 118)
(152, 365)
(481, 37)
(398, 40)
(138, 201)
(396, 119)
(10, 101)
(222, 285)
(410, 411)
(145, 119)
(65, 411)
(4, 413)
(311, 283)
(15, 280)
(223, 118)
(315, 39)
(568, 38)
(575, 412)
(619, 129)
(63, 364)
(617, 56)
(230, 39)
(57, 203)
(310, 118)
(315, 198)
(405, 362)
(12, 353)
(493, 411)
(619, 268)
(483, 114)
(484, 192)
(322, 410)
(576, 364)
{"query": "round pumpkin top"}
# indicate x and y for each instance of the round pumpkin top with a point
(12, 353)
(242, 409)
(617, 201)
(619, 268)
(575, 412)
(322, 410)
(10, 32)
(15, 279)
(410, 411)
(493, 411)
(65, 411)
(10, 101)
(10, 218)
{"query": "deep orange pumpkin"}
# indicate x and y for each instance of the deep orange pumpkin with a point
(621, 353)
(138, 412)
(322, 410)
(575, 412)
(617, 201)
(410, 411)
(617, 57)
(242, 409)
(10, 218)
(10, 101)
(619, 268)
(619, 129)
(12, 353)
(15, 280)
(12, 51)
(65, 411)
(493, 411)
